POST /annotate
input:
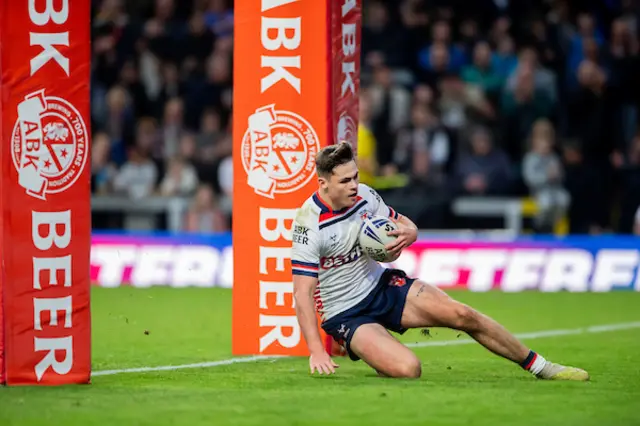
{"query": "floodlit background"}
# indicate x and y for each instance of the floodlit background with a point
(515, 118)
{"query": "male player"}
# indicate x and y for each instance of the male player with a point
(359, 300)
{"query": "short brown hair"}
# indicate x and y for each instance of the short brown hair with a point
(332, 156)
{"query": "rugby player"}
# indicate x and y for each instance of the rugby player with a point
(360, 301)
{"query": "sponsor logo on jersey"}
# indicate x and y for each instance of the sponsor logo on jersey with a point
(341, 259)
(301, 235)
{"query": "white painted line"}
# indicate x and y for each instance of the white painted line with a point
(183, 366)
(534, 335)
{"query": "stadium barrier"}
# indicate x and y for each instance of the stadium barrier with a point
(475, 263)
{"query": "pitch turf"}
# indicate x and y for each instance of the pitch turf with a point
(461, 384)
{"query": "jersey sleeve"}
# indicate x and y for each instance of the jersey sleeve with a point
(305, 257)
(378, 205)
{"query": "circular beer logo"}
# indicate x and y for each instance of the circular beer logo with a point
(49, 144)
(278, 151)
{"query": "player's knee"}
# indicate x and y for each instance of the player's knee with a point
(466, 318)
(409, 369)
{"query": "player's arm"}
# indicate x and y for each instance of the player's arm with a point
(303, 289)
(407, 234)
(405, 222)
(304, 264)
(407, 231)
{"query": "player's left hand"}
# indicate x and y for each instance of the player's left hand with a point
(405, 237)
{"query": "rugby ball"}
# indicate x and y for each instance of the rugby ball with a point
(373, 237)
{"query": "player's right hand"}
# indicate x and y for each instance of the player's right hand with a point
(322, 363)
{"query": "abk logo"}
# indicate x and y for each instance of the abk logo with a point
(278, 151)
(48, 145)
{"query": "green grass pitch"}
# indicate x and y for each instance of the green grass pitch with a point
(460, 385)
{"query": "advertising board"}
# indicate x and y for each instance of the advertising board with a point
(546, 264)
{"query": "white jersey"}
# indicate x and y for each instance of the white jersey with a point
(325, 245)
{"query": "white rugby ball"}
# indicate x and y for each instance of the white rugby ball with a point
(373, 237)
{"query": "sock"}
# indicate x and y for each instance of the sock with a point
(533, 363)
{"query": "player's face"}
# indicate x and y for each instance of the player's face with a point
(342, 187)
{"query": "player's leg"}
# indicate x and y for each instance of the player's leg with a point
(428, 306)
(380, 350)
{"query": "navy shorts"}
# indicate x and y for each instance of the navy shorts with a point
(384, 306)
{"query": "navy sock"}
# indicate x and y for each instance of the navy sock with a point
(528, 362)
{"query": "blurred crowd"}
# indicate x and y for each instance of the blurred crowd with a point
(518, 98)
(161, 104)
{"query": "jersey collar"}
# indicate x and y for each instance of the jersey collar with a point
(325, 208)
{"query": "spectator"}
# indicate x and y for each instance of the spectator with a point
(130, 81)
(485, 169)
(219, 18)
(587, 210)
(137, 177)
(624, 86)
(367, 145)
(548, 47)
(543, 174)
(588, 111)
(172, 87)
(586, 31)
(544, 81)
(213, 142)
(469, 35)
(423, 95)
(103, 171)
(390, 104)
(481, 71)
(200, 39)
(148, 137)
(521, 107)
(181, 179)
(424, 149)
(463, 105)
(380, 38)
(204, 216)
(441, 39)
(225, 180)
(439, 64)
(172, 128)
(211, 132)
(118, 121)
(627, 166)
(504, 59)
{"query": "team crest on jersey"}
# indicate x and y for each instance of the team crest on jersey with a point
(278, 151)
(397, 281)
(49, 144)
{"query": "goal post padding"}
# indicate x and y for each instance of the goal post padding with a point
(296, 84)
(45, 223)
